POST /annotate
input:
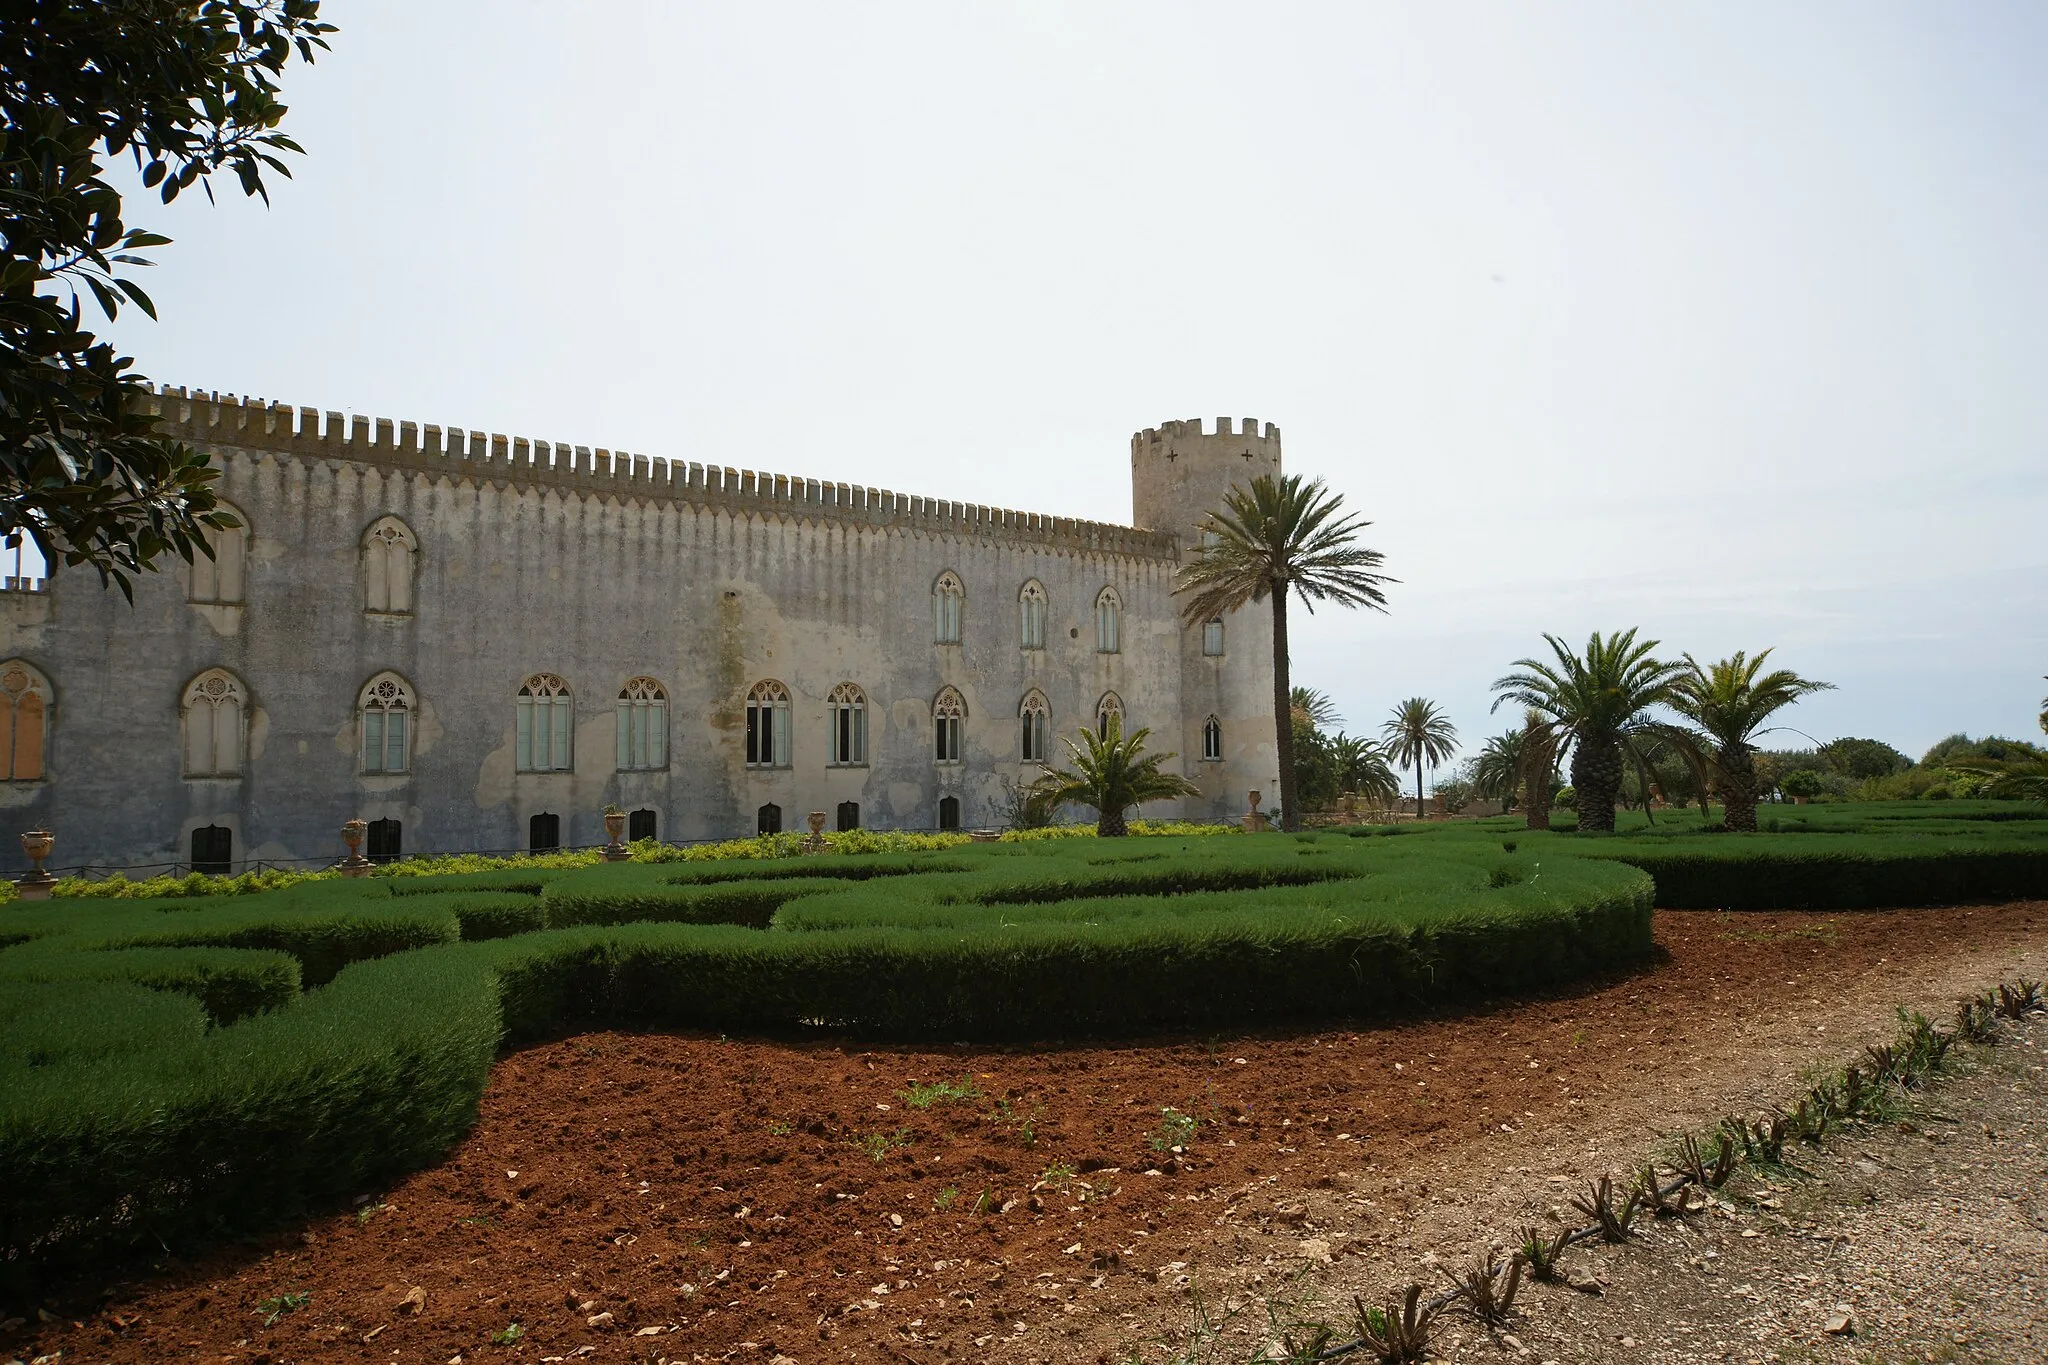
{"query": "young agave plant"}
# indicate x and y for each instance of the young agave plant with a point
(1696, 1167)
(1398, 1335)
(2018, 1001)
(1541, 1255)
(1977, 1017)
(1488, 1288)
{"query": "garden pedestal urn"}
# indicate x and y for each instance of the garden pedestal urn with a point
(814, 842)
(614, 826)
(355, 864)
(37, 844)
(1253, 821)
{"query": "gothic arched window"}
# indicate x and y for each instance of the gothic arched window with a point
(643, 726)
(546, 725)
(219, 579)
(768, 726)
(1031, 609)
(1212, 637)
(388, 548)
(1110, 708)
(947, 596)
(384, 711)
(949, 713)
(1109, 610)
(212, 721)
(1036, 720)
(1212, 740)
(24, 720)
(846, 718)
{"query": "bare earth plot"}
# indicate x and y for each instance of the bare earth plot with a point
(662, 1198)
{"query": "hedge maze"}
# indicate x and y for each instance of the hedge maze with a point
(175, 1069)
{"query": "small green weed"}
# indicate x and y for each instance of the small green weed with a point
(1058, 1174)
(940, 1092)
(1175, 1130)
(780, 1128)
(943, 1200)
(985, 1202)
(1025, 1124)
(879, 1145)
(364, 1213)
(278, 1305)
(480, 1220)
(508, 1335)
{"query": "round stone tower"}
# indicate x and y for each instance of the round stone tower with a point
(1179, 475)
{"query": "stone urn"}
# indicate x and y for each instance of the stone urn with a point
(355, 864)
(1253, 821)
(814, 842)
(615, 850)
(37, 844)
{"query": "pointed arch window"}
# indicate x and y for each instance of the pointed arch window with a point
(384, 712)
(768, 726)
(1212, 740)
(388, 549)
(1035, 718)
(24, 721)
(1109, 611)
(947, 598)
(643, 726)
(1212, 638)
(219, 579)
(1031, 608)
(949, 715)
(1110, 708)
(545, 725)
(212, 723)
(846, 718)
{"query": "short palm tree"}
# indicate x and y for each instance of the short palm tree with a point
(1599, 707)
(1313, 706)
(1419, 732)
(1497, 772)
(1112, 772)
(1274, 536)
(1729, 702)
(1363, 768)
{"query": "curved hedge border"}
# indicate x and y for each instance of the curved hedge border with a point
(163, 1073)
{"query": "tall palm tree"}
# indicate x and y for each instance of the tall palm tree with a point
(1272, 536)
(1729, 702)
(1420, 732)
(1539, 765)
(1497, 771)
(1313, 706)
(1112, 772)
(1599, 706)
(1363, 767)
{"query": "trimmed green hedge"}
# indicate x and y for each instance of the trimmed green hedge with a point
(175, 1068)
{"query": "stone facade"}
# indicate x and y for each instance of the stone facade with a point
(414, 619)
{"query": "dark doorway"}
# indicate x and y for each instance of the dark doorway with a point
(849, 816)
(213, 850)
(949, 812)
(384, 842)
(768, 819)
(544, 832)
(639, 825)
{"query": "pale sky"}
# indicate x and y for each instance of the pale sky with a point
(1722, 320)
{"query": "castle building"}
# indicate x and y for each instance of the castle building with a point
(477, 643)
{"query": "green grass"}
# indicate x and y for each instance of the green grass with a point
(172, 1069)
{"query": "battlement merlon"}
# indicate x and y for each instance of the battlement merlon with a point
(216, 419)
(1170, 434)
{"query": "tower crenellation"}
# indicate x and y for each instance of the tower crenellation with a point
(1180, 473)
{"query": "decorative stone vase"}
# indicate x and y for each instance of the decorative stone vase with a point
(614, 827)
(1253, 821)
(814, 842)
(355, 864)
(37, 844)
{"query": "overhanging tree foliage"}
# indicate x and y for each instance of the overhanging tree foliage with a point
(185, 90)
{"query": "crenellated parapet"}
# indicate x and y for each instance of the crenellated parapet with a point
(1169, 435)
(225, 420)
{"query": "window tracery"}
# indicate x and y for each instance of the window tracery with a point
(768, 726)
(949, 714)
(384, 715)
(545, 725)
(642, 726)
(212, 721)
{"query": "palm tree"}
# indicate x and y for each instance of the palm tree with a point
(1497, 772)
(1598, 706)
(1363, 767)
(1273, 535)
(1730, 702)
(1112, 772)
(1313, 706)
(1539, 765)
(1420, 732)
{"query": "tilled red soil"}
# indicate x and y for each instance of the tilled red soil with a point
(653, 1197)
